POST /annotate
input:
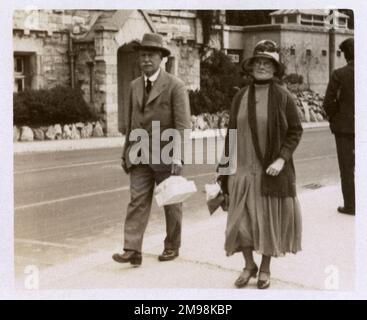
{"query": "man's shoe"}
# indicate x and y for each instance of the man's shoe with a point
(133, 257)
(168, 254)
(345, 210)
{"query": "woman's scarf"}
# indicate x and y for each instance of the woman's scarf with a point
(271, 185)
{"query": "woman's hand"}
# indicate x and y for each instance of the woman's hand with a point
(275, 168)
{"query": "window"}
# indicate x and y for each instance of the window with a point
(307, 17)
(293, 52)
(24, 66)
(279, 19)
(338, 53)
(342, 21)
(308, 53)
(324, 53)
(19, 74)
(292, 18)
(312, 20)
(318, 18)
(19, 64)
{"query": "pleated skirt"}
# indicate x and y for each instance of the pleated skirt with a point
(272, 226)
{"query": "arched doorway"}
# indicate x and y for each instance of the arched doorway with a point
(127, 70)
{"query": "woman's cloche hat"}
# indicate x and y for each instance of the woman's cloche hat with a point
(153, 41)
(264, 49)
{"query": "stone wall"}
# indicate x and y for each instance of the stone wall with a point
(50, 54)
(185, 59)
(234, 38)
(44, 34)
(77, 21)
(90, 75)
(183, 34)
(314, 67)
(253, 35)
(175, 24)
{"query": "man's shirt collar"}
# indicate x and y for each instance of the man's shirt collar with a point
(153, 77)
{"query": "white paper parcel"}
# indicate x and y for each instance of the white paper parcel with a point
(175, 189)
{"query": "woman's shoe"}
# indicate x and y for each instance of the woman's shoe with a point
(263, 281)
(245, 277)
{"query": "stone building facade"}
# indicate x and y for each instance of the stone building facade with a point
(93, 50)
(308, 39)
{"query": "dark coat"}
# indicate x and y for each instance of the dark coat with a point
(288, 134)
(339, 100)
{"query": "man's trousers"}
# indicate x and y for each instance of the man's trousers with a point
(142, 181)
(346, 158)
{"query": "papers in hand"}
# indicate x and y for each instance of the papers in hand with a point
(175, 189)
(212, 190)
(215, 198)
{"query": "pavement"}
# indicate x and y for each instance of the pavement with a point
(112, 142)
(327, 261)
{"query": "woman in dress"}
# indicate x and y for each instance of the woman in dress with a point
(263, 214)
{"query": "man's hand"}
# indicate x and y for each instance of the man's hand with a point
(275, 168)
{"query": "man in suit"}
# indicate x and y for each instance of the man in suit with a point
(155, 96)
(339, 106)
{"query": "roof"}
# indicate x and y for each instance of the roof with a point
(315, 12)
(339, 14)
(113, 19)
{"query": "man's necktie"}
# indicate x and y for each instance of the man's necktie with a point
(149, 86)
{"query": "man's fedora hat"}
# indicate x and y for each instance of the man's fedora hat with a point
(153, 41)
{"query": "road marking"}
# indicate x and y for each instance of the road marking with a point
(84, 195)
(45, 243)
(117, 161)
(125, 188)
(91, 194)
(66, 166)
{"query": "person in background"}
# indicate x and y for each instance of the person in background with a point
(339, 106)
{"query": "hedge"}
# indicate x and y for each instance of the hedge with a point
(46, 107)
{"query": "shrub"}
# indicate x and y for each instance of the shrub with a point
(293, 78)
(45, 107)
(219, 79)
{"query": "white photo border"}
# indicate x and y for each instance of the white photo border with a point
(6, 154)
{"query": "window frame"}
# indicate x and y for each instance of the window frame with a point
(279, 19)
(19, 76)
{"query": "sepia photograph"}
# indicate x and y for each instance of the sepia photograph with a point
(179, 149)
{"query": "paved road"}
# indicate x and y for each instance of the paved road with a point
(65, 201)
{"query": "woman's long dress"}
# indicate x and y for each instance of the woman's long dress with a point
(272, 226)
